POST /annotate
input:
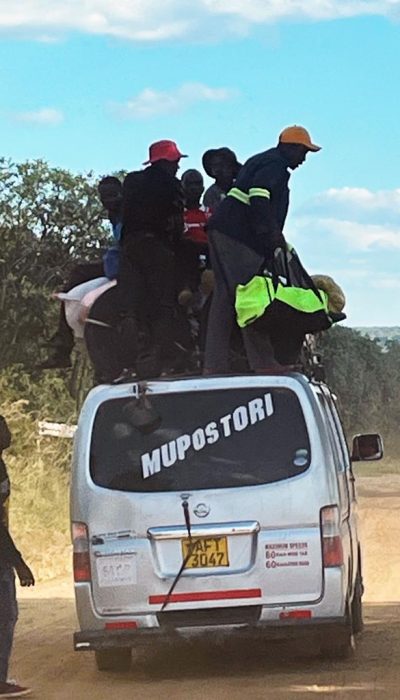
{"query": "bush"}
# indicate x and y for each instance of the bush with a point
(39, 469)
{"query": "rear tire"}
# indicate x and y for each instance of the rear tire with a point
(341, 644)
(113, 659)
(356, 605)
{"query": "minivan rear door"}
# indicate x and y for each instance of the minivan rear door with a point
(237, 457)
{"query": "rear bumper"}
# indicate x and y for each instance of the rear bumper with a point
(141, 637)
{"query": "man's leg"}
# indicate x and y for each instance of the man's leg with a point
(8, 619)
(187, 272)
(220, 318)
(147, 285)
(61, 344)
(259, 350)
(158, 265)
(232, 263)
(287, 345)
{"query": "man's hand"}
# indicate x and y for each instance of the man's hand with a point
(25, 575)
(277, 240)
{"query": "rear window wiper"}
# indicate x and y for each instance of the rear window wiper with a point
(185, 506)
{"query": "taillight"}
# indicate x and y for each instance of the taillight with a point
(332, 549)
(295, 615)
(81, 559)
(123, 625)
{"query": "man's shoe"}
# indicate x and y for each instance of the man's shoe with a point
(13, 690)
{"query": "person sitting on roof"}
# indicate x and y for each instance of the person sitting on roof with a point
(194, 255)
(62, 342)
(222, 165)
(196, 214)
(110, 193)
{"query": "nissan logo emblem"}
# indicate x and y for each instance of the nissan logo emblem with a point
(201, 510)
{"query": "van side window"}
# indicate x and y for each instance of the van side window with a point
(340, 434)
(332, 433)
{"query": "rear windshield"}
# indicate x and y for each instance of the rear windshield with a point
(199, 440)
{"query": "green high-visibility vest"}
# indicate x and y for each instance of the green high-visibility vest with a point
(254, 298)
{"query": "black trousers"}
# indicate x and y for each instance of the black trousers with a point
(146, 285)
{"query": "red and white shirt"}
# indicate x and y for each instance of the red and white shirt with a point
(195, 224)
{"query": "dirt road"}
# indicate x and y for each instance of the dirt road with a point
(44, 658)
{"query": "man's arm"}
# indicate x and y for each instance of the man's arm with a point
(262, 210)
(10, 555)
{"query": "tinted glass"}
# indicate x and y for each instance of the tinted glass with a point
(214, 439)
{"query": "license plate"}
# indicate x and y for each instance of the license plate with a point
(207, 552)
(116, 570)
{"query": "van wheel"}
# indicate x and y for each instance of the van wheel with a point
(340, 644)
(356, 605)
(113, 659)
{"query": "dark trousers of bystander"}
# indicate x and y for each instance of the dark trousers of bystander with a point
(8, 618)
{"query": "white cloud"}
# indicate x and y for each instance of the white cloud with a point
(260, 11)
(383, 282)
(44, 116)
(353, 234)
(362, 218)
(382, 206)
(158, 20)
(150, 103)
(361, 236)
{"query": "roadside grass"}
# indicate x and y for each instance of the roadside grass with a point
(39, 508)
(39, 471)
(388, 465)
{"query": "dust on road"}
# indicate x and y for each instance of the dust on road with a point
(44, 657)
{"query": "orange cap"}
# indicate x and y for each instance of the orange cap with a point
(298, 134)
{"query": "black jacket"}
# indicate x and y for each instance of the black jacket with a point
(9, 554)
(152, 203)
(259, 222)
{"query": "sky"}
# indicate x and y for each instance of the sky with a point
(88, 84)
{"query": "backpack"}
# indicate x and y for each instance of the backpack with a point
(283, 297)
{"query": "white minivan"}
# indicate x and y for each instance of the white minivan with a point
(223, 506)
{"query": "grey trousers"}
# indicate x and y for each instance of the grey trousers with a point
(233, 263)
(8, 618)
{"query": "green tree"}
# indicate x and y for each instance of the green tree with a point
(49, 219)
(365, 376)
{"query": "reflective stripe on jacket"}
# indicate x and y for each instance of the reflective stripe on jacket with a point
(255, 210)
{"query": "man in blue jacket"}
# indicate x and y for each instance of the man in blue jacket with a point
(244, 233)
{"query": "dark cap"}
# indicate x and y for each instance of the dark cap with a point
(223, 152)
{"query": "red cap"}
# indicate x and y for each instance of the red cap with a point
(164, 150)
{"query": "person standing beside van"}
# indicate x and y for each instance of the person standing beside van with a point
(244, 233)
(10, 560)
